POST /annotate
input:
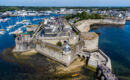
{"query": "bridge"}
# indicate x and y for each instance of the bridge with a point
(103, 68)
(104, 73)
(38, 30)
(74, 27)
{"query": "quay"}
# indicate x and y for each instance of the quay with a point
(57, 39)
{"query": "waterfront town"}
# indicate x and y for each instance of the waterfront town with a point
(114, 12)
(64, 40)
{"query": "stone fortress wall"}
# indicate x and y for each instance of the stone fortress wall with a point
(57, 53)
(84, 25)
(84, 45)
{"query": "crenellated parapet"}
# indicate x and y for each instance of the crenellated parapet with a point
(22, 42)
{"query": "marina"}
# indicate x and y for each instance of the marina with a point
(13, 24)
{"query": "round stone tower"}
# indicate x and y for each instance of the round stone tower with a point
(90, 41)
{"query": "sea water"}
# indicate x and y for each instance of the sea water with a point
(115, 42)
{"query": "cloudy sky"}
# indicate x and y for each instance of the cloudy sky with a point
(65, 2)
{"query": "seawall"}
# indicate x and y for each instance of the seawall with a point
(84, 25)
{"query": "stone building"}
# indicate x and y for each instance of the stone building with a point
(90, 41)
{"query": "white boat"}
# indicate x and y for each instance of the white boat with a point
(16, 32)
(8, 28)
(1, 20)
(17, 23)
(5, 20)
(35, 19)
(19, 29)
(2, 31)
(27, 23)
(25, 20)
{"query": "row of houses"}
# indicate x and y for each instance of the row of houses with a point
(110, 12)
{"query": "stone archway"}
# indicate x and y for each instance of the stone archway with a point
(79, 55)
(83, 57)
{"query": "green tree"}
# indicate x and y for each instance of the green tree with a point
(84, 15)
(68, 17)
(59, 43)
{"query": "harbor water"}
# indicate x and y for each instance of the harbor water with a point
(115, 42)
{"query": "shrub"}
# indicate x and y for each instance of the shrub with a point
(59, 43)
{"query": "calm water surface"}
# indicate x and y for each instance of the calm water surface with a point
(115, 42)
